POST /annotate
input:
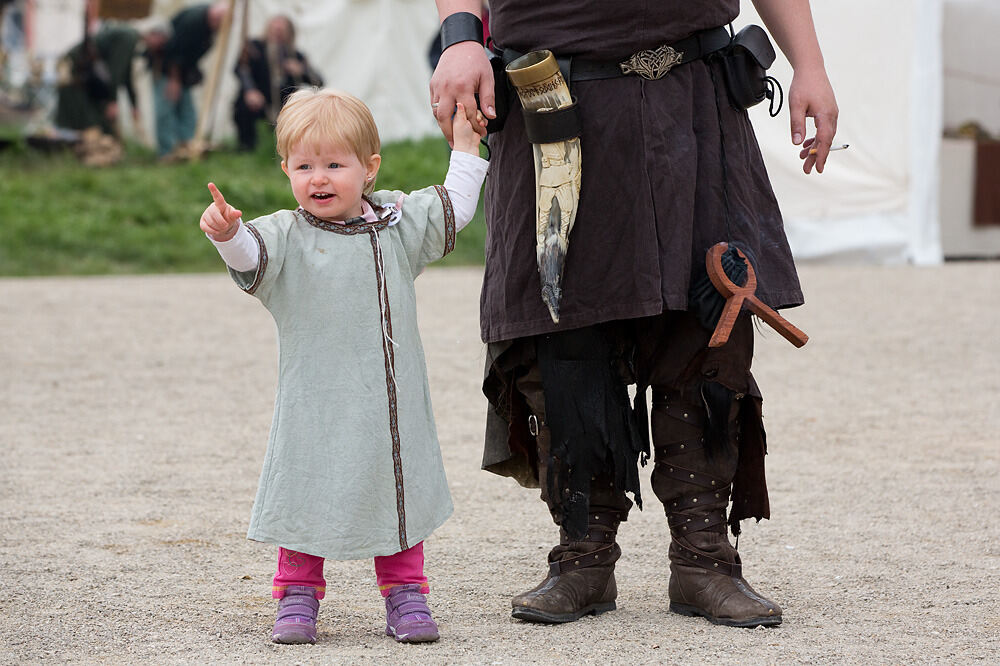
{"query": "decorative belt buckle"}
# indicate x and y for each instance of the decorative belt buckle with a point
(652, 64)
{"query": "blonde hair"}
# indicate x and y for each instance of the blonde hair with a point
(319, 115)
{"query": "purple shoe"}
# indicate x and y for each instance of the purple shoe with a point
(297, 611)
(407, 618)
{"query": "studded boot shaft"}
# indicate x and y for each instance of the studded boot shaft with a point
(706, 576)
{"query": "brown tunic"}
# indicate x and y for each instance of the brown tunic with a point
(651, 201)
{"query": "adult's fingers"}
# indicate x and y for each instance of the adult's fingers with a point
(447, 105)
(810, 161)
(797, 118)
(487, 96)
(462, 72)
(443, 108)
(826, 129)
(806, 145)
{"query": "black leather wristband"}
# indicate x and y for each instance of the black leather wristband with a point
(461, 27)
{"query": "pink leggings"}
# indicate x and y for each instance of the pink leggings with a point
(404, 568)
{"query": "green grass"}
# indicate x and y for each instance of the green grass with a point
(58, 217)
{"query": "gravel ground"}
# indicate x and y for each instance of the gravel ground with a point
(135, 415)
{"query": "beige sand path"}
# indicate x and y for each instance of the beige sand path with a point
(134, 413)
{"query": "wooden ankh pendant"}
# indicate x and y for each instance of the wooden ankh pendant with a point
(737, 296)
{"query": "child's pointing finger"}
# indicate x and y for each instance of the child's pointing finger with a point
(217, 197)
(228, 212)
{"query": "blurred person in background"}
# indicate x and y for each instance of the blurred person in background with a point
(193, 32)
(269, 70)
(93, 72)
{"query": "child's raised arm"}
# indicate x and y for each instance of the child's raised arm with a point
(465, 171)
(220, 220)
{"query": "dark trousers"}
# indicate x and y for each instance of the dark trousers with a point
(246, 124)
(668, 353)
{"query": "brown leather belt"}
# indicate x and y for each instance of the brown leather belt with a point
(650, 64)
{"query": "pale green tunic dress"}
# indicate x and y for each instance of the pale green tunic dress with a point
(353, 466)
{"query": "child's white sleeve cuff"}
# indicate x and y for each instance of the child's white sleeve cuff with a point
(464, 180)
(239, 252)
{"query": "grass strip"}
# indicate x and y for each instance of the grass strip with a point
(58, 217)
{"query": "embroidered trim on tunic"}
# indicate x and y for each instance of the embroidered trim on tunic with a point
(449, 219)
(390, 385)
(261, 262)
(353, 226)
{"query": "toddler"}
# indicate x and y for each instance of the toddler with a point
(353, 467)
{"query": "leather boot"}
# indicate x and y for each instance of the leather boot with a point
(581, 578)
(706, 574)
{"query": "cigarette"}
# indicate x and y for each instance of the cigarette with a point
(843, 146)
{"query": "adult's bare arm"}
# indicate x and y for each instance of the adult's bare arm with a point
(462, 71)
(810, 95)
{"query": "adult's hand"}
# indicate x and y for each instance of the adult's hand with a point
(293, 68)
(254, 99)
(173, 89)
(462, 71)
(811, 96)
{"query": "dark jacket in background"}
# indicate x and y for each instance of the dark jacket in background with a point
(255, 72)
(80, 104)
(191, 40)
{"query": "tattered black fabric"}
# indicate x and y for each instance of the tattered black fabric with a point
(591, 422)
(718, 401)
(704, 300)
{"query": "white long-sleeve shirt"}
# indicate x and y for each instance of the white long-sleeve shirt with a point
(463, 182)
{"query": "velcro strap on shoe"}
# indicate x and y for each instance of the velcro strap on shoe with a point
(297, 607)
(683, 524)
(599, 557)
(397, 599)
(702, 560)
(408, 604)
(413, 608)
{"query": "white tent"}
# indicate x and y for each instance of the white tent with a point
(375, 49)
(900, 77)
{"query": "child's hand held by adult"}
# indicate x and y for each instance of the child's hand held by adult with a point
(465, 135)
(220, 220)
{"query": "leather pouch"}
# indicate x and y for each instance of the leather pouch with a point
(744, 63)
(501, 92)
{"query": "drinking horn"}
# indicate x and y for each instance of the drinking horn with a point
(553, 126)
